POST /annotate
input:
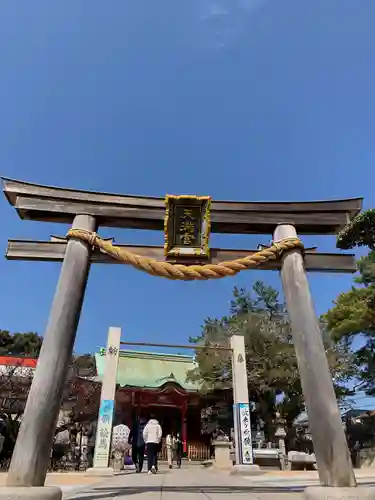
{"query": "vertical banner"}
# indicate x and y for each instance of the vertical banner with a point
(245, 437)
(236, 434)
(103, 433)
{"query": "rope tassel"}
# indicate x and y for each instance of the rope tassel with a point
(181, 271)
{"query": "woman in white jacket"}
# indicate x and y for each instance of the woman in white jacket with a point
(152, 434)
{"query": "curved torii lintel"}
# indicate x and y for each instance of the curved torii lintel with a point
(54, 204)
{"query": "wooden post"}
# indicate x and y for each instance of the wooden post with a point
(241, 410)
(107, 404)
(184, 428)
(240, 392)
(32, 451)
(330, 446)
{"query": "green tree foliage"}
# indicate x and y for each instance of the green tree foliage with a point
(270, 359)
(353, 315)
(5, 342)
(20, 344)
(360, 232)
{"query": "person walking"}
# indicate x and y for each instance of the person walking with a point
(170, 442)
(178, 449)
(138, 444)
(152, 434)
(91, 437)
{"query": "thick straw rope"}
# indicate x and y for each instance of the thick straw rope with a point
(180, 271)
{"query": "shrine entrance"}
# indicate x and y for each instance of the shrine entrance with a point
(166, 394)
(187, 222)
(170, 421)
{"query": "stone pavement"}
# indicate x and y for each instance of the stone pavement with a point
(188, 484)
(195, 483)
(66, 481)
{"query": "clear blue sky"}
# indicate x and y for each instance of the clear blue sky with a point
(237, 99)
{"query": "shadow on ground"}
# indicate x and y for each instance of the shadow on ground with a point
(106, 493)
(101, 493)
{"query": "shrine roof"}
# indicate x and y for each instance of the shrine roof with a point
(150, 369)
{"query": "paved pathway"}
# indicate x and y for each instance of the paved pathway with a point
(189, 484)
(67, 481)
(195, 483)
(192, 482)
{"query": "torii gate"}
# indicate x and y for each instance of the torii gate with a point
(87, 211)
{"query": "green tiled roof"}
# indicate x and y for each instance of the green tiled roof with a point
(148, 369)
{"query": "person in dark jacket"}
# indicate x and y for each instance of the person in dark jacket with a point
(138, 444)
(91, 436)
(178, 450)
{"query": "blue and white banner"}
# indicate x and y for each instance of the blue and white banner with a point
(242, 416)
(104, 433)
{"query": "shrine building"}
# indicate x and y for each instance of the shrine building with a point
(147, 384)
(156, 384)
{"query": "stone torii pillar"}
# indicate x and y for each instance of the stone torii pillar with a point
(330, 446)
(32, 451)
